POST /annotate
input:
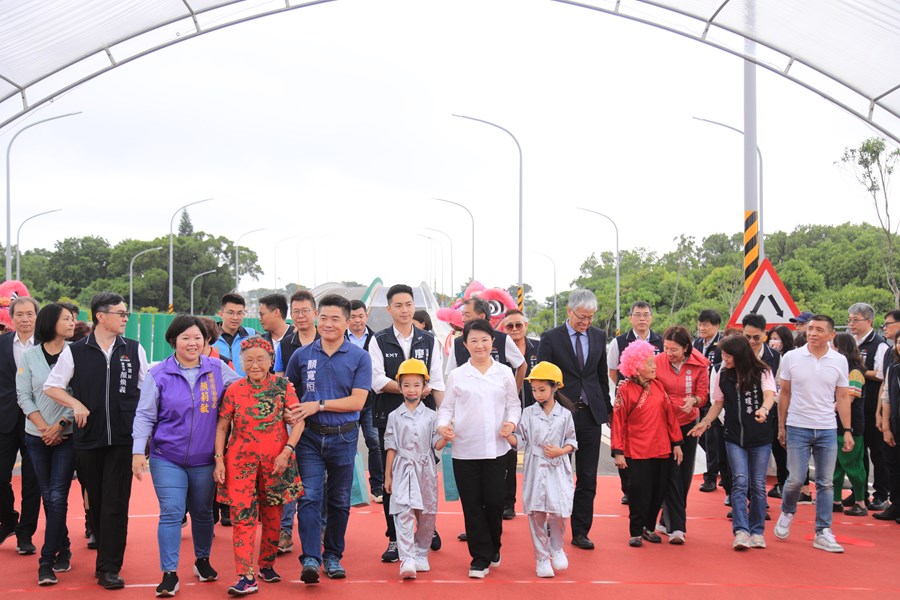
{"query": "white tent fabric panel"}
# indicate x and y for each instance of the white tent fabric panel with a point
(847, 51)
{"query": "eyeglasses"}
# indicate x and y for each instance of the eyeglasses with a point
(516, 325)
(122, 314)
(231, 314)
(641, 315)
(886, 323)
(256, 361)
(582, 318)
(301, 311)
(754, 338)
(858, 320)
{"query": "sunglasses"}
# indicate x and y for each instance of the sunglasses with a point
(754, 338)
(518, 325)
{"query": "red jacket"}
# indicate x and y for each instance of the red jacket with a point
(645, 428)
(676, 385)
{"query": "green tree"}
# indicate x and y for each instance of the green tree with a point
(872, 163)
(185, 226)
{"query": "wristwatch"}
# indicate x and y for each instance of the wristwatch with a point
(848, 430)
(322, 405)
(63, 423)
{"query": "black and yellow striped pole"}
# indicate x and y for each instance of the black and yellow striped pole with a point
(520, 298)
(751, 245)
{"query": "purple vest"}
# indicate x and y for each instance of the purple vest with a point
(185, 431)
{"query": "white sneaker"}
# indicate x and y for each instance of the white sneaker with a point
(478, 573)
(408, 569)
(544, 569)
(559, 560)
(661, 529)
(741, 541)
(676, 537)
(825, 541)
(783, 526)
(757, 541)
(422, 565)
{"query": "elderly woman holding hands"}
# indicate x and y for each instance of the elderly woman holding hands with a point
(480, 410)
(177, 414)
(645, 439)
(684, 374)
(258, 473)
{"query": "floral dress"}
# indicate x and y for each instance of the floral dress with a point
(258, 435)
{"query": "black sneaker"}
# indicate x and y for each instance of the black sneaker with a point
(168, 586)
(46, 576)
(727, 499)
(624, 499)
(509, 513)
(63, 562)
(877, 504)
(92, 542)
(849, 500)
(204, 570)
(775, 492)
(25, 547)
(391, 555)
(435, 541)
(804, 498)
(269, 575)
(708, 486)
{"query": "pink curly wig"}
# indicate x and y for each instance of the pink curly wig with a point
(634, 357)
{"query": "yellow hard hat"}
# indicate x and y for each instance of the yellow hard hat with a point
(412, 366)
(546, 371)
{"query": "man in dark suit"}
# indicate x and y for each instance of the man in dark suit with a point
(579, 350)
(12, 431)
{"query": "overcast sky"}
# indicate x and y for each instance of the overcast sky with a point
(336, 120)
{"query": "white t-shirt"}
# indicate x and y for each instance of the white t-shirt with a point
(813, 385)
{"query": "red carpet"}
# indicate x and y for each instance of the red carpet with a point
(706, 565)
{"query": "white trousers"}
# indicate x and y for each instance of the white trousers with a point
(414, 532)
(544, 544)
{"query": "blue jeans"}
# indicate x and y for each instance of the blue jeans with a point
(748, 480)
(178, 487)
(53, 467)
(376, 467)
(822, 443)
(318, 455)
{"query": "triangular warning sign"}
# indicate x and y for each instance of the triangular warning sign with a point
(768, 297)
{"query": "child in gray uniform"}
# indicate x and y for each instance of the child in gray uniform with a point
(546, 432)
(410, 476)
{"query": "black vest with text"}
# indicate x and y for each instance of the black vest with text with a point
(109, 389)
(741, 427)
(421, 348)
(869, 348)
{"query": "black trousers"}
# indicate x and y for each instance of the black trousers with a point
(481, 487)
(648, 479)
(873, 441)
(723, 467)
(675, 503)
(390, 532)
(706, 441)
(11, 445)
(106, 475)
(892, 462)
(779, 452)
(587, 432)
(512, 463)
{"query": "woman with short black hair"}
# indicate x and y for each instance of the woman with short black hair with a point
(480, 410)
(48, 436)
(177, 416)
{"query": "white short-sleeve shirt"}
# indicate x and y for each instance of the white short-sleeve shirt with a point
(814, 382)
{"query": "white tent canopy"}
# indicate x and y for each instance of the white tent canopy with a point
(848, 52)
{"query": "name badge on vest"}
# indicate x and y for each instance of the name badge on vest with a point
(126, 373)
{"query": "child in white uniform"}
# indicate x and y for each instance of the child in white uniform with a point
(410, 476)
(546, 433)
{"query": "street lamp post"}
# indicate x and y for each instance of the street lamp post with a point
(618, 257)
(521, 298)
(434, 271)
(18, 244)
(762, 238)
(450, 241)
(197, 276)
(471, 218)
(172, 251)
(278, 243)
(8, 189)
(552, 262)
(237, 266)
(131, 276)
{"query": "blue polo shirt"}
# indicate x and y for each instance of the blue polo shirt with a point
(317, 376)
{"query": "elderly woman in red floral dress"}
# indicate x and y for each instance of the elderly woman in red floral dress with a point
(258, 473)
